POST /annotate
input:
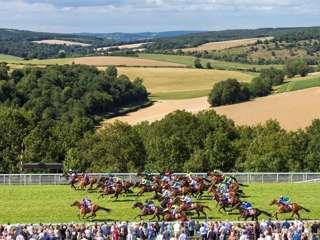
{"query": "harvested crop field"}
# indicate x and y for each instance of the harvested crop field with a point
(293, 110)
(124, 46)
(62, 42)
(163, 81)
(124, 61)
(211, 46)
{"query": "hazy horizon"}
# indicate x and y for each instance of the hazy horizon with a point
(132, 16)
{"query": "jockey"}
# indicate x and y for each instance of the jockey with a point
(72, 173)
(222, 188)
(146, 182)
(246, 205)
(86, 203)
(177, 185)
(166, 193)
(109, 182)
(149, 204)
(187, 200)
(285, 200)
(86, 177)
(176, 209)
(227, 179)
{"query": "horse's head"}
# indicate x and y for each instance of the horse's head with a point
(273, 202)
(75, 204)
(137, 205)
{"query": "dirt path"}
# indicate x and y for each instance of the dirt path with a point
(293, 110)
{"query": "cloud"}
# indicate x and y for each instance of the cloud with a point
(155, 15)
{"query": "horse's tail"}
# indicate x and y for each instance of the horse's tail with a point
(266, 213)
(104, 209)
(305, 209)
(243, 185)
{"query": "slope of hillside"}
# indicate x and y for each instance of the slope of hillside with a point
(293, 110)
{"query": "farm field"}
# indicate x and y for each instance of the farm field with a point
(299, 84)
(167, 83)
(189, 61)
(62, 42)
(51, 204)
(215, 46)
(291, 109)
(9, 58)
(124, 61)
(124, 46)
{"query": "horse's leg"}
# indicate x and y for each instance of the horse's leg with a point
(198, 213)
(204, 212)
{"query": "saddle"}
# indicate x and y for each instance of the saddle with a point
(287, 207)
(251, 211)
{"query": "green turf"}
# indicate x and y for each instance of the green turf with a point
(9, 58)
(189, 61)
(308, 82)
(51, 204)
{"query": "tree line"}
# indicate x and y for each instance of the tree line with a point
(232, 91)
(181, 141)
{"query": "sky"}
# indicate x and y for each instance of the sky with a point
(155, 15)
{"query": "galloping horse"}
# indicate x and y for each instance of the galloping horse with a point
(110, 190)
(84, 211)
(155, 211)
(84, 183)
(180, 216)
(197, 207)
(294, 208)
(254, 213)
(72, 180)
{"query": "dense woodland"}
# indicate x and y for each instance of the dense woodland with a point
(46, 111)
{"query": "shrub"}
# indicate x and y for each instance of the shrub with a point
(228, 92)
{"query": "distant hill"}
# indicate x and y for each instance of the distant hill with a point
(132, 37)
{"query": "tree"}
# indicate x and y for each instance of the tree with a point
(209, 66)
(4, 71)
(112, 71)
(273, 75)
(295, 67)
(228, 92)
(260, 87)
(197, 63)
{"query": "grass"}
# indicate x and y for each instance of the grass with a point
(9, 58)
(181, 83)
(302, 83)
(51, 204)
(189, 61)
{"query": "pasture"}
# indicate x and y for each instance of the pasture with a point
(181, 83)
(189, 61)
(51, 204)
(299, 84)
(124, 61)
(215, 46)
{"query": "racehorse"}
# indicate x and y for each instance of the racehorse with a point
(254, 213)
(84, 183)
(84, 211)
(180, 216)
(232, 202)
(72, 180)
(111, 190)
(294, 208)
(197, 207)
(155, 211)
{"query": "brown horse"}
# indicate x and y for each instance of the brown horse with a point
(253, 213)
(84, 211)
(294, 208)
(197, 207)
(232, 203)
(83, 183)
(71, 180)
(155, 211)
(111, 190)
(180, 216)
